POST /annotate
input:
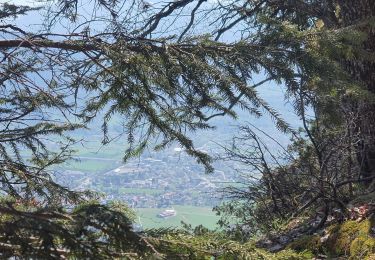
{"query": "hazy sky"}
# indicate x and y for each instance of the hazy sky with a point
(22, 2)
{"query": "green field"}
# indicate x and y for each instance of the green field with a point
(140, 191)
(188, 214)
(88, 166)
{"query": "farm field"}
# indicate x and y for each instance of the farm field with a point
(140, 191)
(188, 214)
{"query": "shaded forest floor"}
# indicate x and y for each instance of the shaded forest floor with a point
(352, 237)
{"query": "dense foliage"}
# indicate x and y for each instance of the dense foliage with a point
(129, 58)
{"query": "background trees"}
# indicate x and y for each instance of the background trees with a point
(329, 82)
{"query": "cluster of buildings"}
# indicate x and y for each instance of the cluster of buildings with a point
(157, 180)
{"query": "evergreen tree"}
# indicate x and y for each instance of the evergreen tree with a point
(163, 85)
(331, 73)
(338, 33)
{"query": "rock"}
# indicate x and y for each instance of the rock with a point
(372, 232)
(324, 238)
(284, 240)
(275, 248)
(264, 243)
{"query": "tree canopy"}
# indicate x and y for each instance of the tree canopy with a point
(167, 69)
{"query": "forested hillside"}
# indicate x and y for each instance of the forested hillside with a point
(161, 72)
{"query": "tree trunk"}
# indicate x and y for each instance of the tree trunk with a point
(363, 70)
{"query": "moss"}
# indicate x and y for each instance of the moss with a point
(289, 254)
(311, 243)
(341, 236)
(200, 247)
(368, 198)
(362, 247)
(251, 252)
(351, 239)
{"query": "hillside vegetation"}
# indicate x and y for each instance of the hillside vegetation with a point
(159, 73)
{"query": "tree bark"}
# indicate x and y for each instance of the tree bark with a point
(363, 70)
